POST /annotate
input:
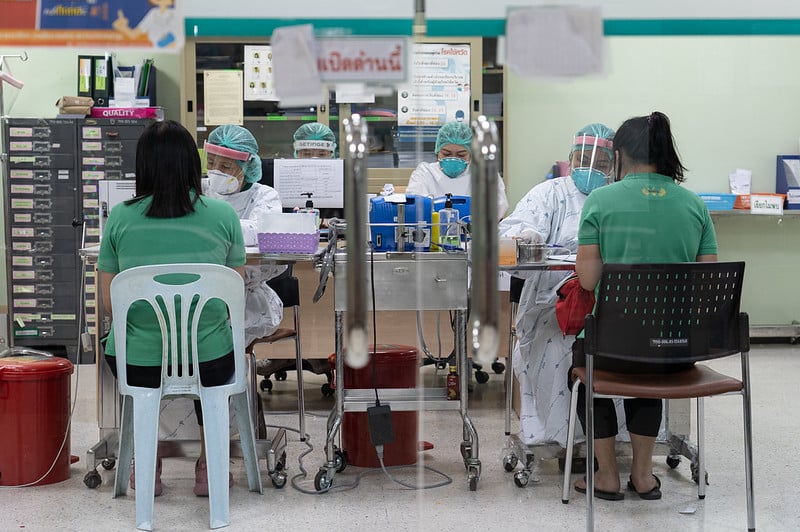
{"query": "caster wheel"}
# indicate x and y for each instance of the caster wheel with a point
(466, 450)
(521, 479)
(696, 474)
(673, 461)
(278, 480)
(340, 460)
(266, 385)
(498, 367)
(510, 462)
(280, 375)
(482, 377)
(280, 464)
(92, 480)
(321, 481)
(108, 464)
(473, 483)
(327, 391)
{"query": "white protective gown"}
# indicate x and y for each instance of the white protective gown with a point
(542, 355)
(263, 308)
(427, 179)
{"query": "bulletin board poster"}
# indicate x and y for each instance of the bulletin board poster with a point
(259, 79)
(142, 24)
(439, 91)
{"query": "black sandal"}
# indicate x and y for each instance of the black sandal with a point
(652, 495)
(600, 494)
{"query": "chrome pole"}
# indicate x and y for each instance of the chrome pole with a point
(356, 355)
(485, 299)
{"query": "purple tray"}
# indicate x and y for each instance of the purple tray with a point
(288, 242)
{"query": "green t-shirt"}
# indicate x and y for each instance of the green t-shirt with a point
(210, 234)
(647, 218)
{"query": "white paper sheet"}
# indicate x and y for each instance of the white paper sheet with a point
(222, 91)
(324, 178)
(551, 41)
(259, 78)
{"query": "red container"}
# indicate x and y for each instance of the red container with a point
(396, 366)
(34, 419)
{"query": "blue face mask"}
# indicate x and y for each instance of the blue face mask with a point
(453, 166)
(588, 179)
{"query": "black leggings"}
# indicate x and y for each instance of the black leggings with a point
(212, 373)
(642, 416)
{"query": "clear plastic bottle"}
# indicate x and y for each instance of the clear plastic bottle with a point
(310, 208)
(449, 229)
(452, 383)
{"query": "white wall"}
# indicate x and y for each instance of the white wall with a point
(734, 102)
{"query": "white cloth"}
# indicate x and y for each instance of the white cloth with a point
(427, 179)
(263, 308)
(542, 355)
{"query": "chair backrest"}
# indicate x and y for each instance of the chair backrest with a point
(166, 287)
(667, 313)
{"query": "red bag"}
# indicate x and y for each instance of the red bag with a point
(573, 304)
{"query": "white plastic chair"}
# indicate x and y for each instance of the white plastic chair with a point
(141, 405)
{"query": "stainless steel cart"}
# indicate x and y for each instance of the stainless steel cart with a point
(404, 281)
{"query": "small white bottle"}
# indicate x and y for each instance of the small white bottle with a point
(310, 208)
(449, 228)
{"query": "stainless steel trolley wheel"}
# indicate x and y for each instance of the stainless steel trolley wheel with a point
(510, 462)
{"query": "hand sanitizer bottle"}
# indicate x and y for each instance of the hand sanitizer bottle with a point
(449, 229)
(310, 208)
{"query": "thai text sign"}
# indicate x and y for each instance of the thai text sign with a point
(362, 59)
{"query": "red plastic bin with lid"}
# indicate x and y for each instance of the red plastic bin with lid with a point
(34, 417)
(396, 366)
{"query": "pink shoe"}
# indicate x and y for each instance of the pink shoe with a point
(158, 488)
(201, 479)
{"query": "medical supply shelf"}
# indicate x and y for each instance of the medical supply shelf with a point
(391, 161)
(51, 211)
(405, 281)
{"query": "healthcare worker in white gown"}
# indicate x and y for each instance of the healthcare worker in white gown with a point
(450, 173)
(234, 172)
(550, 213)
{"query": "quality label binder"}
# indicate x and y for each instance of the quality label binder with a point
(85, 71)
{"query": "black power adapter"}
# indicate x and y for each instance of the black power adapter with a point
(380, 425)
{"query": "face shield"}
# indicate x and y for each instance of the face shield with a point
(225, 172)
(591, 162)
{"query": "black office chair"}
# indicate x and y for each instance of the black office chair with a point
(655, 316)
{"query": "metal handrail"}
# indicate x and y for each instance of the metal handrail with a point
(485, 299)
(357, 355)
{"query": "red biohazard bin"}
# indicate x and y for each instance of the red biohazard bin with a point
(34, 418)
(396, 366)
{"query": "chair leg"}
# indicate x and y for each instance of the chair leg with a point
(701, 449)
(748, 455)
(248, 442)
(589, 444)
(573, 415)
(145, 437)
(216, 429)
(125, 452)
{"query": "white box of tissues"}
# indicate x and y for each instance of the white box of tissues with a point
(288, 233)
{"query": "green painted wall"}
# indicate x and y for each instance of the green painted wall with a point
(733, 103)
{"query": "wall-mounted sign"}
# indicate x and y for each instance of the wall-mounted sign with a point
(362, 59)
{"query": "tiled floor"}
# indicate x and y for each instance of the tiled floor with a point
(378, 504)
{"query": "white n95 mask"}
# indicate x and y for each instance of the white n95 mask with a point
(222, 183)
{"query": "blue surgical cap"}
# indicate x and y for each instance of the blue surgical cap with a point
(595, 130)
(315, 131)
(458, 133)
(239, 139)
